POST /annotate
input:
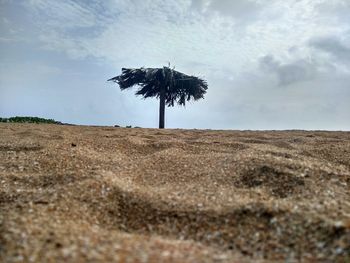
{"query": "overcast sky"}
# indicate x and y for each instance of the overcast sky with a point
(278, 64)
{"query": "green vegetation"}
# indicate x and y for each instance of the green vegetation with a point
(26, 119)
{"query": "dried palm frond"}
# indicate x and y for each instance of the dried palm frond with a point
(178, 86)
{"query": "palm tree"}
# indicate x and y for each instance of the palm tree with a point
(168, 85)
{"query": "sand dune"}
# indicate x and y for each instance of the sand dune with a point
(102, 194)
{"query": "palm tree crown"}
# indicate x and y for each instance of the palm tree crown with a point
(168, 85)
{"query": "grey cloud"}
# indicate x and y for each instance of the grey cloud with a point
(236, 9)
(239, 9)
(338, 9)
(333, 46)
(197, 4)
(290, 73)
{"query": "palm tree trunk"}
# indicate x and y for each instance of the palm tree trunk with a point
(162, 108)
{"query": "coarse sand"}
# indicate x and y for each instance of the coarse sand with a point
(105, 194)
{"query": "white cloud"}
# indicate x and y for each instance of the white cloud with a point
(63, 14)
(154, 32)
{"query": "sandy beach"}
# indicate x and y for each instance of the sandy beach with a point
(105, 194)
